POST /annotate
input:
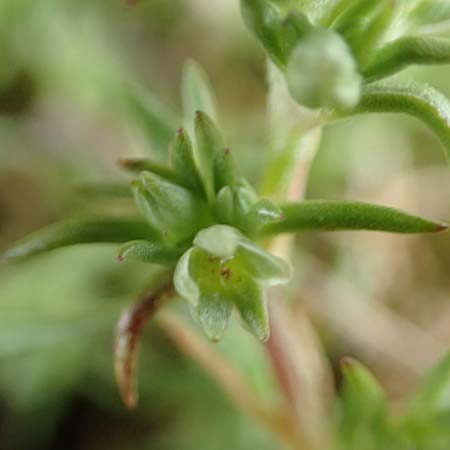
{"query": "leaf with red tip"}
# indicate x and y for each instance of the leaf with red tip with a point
(129, 333)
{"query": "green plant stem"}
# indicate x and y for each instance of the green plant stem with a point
(298, 378)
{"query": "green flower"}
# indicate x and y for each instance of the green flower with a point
(225, 270)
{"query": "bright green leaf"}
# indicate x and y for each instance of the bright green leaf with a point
(324, 215)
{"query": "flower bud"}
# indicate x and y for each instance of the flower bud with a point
(322, 73)
(172, 209)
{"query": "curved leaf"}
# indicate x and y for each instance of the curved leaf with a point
(331, 215)
(152, 252)
(403, 52)
(420, 101)
(128, 336)
(81, 231)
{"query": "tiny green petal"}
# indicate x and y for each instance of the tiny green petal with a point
(219, 240)
(184, 283)
(251, 304)
(267, 268)
(213, 312)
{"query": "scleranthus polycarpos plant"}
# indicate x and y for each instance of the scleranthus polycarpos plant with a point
(219, 239)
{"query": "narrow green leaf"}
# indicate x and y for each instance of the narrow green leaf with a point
(225, 170)
(296, 26)
(264, 19)
(158, 123)
(355, 16)
(324, 215)
(431, 12)
(81, 231)
(420, 101)
(403, 52)
(152, 252)
(209, 143)
(182, 161)
(197, 93)
(138, 165)
(129, 332)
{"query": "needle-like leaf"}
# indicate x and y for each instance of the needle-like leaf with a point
(420, 101)
(128, 336)
(138, 165)
(209, 143)
(153, 252)
(327, 215)
(81, 231)
(403, 52)
(182, 161)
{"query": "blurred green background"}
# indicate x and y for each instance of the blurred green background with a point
(64, 70)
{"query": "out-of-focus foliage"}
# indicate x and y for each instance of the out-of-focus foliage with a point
(68, 110)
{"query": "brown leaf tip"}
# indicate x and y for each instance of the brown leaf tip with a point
(346, 362)
(442, 226)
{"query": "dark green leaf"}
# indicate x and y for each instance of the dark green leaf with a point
(327, 215)
(81, 231)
